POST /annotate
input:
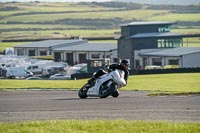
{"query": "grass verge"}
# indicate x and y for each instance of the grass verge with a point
(173, 93)
(99, 126)
(165, 84)
(156, 84)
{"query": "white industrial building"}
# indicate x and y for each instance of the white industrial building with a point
(79, 51)
(82, 52)
(70, 51)
(40, 48)
(184, 57)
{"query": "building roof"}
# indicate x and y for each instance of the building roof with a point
(139, 23)
(170, 52)
(154, 35)
(89, 47)
(160, 35)
(49, 43)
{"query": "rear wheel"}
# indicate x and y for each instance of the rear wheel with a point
(107, 91)
(83, 91)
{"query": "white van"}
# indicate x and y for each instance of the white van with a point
(152, 67)
(18, 72)
(35, 68)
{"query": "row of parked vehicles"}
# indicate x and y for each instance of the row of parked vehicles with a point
(13, 66)
(18, 72)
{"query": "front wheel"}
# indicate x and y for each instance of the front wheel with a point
(82, 93)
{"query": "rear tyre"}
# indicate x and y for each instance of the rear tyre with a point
(107, 91)
(82, 93)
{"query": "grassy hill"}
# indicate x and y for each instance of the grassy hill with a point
(35, 20)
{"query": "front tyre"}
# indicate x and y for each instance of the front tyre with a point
(82, 93)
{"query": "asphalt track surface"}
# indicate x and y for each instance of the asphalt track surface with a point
(130, 105)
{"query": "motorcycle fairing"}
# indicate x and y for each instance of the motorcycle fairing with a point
(94, 90)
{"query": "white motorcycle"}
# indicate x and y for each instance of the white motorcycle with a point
(104, 86)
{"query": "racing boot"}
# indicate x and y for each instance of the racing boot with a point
(115, 93)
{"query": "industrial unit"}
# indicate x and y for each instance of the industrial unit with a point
(154, 36)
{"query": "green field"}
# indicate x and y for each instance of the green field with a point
(60, 20)
(4, 45)
(125, 15)
(155, 83)
(99, 126)
(177, 17)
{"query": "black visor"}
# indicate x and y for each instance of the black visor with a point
(125, 62)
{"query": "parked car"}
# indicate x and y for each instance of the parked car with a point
(59, 76)
(33, 78)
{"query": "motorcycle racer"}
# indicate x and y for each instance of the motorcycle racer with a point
(123, 65)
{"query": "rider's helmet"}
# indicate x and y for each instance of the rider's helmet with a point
(106, 68)
(125, 64)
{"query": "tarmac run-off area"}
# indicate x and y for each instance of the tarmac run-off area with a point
(25, 105)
